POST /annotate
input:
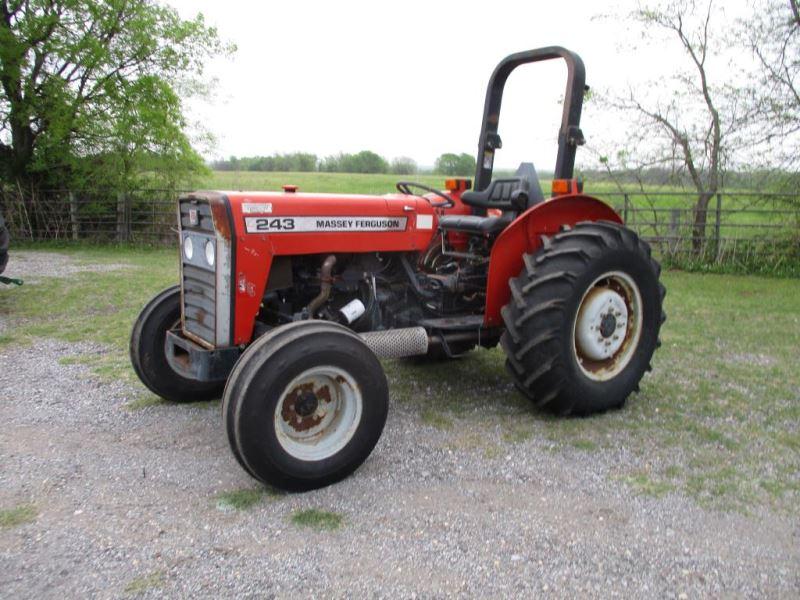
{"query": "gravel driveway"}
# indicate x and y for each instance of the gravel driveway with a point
(126, 504)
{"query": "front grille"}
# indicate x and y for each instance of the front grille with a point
(199, 280)
(199, 302)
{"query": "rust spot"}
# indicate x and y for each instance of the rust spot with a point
(324, 394)
(290, 415)
(598, 366)
(220, 215)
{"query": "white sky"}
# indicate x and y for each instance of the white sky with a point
(407, 78)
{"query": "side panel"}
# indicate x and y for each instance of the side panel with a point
(347, 224)
(523, 236)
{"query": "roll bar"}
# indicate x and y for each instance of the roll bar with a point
(569, 136)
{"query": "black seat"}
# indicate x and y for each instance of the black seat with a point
(512, 195)
(476, 223)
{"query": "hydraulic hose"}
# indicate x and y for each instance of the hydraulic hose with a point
(325, 286)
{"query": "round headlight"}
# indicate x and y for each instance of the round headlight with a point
(188, 248)
(210, 253)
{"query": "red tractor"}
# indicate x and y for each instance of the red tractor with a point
(287, 300)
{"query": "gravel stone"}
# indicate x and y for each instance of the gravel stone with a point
(127, 505)
(127, 500)
(34, 266)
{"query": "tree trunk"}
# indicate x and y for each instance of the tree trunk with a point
(700, 219)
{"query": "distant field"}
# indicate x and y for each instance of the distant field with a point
(338, 183)
(341, 183)
(742, 216)
(357, 183)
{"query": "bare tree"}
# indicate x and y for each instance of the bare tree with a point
(686, 124)
(773, 36)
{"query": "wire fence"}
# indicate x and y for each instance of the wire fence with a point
(736, 227)
(748, 229)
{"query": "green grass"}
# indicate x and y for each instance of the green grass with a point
(436, 419)
(319, 520)
(145, 583)
(91, 306)
(334, 183)
(144, 400)
(242, 499)
(18, 515)
(647, 485)
(717, 419)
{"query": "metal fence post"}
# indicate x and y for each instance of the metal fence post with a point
(122, 217)
(73, 216)
(625, 205)
(717, 223)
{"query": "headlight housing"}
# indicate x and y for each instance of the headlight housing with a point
(188, 248)
(211, 252)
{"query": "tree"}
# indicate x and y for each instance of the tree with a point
(773, 37)
(455, 164)
(365, 161)
(690, 123)
(92, 90)
(403, 165)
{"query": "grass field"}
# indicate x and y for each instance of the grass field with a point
(758, 234)
(741, 209)
(335, 183)
(717, 419)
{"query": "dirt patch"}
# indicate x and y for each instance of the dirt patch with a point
(757, 360)
(32, 266)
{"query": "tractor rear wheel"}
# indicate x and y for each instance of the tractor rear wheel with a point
(149, 357)
(305, 405)
(584, 319)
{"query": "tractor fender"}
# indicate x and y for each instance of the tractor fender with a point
(524, 236)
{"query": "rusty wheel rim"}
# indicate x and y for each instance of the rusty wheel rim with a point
(608, 326)
(318, 413)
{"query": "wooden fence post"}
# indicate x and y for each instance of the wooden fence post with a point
(73, 216)
(674, 238)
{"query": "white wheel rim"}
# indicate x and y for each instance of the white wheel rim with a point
(318, 413)
(608, 326)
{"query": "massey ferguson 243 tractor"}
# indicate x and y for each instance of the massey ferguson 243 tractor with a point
(288, 300)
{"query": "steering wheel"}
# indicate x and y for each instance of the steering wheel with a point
(404, 187)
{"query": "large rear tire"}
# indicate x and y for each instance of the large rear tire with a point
(305, 405)
(584, 319)
(148, 352)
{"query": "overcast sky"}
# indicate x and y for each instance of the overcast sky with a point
(408, 78)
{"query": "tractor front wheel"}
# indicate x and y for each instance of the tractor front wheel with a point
(584, 319)
(149, 355)
(305, 405)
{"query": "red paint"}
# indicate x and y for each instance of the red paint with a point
(523, 236)
(255, 251)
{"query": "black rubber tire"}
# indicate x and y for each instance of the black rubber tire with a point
(233, 390)
(148, 355)
(539, 319)
(4, 241)
(259, 379)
